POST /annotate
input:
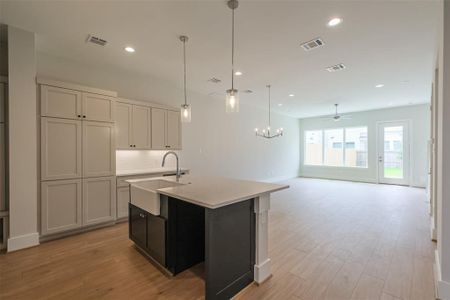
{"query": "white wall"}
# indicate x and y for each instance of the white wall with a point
(22, 140)
(215, 143)
(419, 136)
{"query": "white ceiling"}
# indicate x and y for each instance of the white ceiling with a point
(388, 42)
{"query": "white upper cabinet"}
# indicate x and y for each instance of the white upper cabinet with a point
(158, 129)
(173, 129)
(60, 148)
(60, 103)
(2, 102)
(141, 127)
(98, 108)
(98, 149)
(123, 125)
(99, 200)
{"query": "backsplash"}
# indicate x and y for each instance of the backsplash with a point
(142, 159)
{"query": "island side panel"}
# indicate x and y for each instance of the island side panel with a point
(263, 263)
(229, 249)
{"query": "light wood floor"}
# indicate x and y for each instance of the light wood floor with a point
(328, 240)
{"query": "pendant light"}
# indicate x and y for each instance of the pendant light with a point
(264, 133)
(232, 98)
(185, 108)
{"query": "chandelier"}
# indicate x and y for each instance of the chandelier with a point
(265, 133)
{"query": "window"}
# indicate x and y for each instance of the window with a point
(356, 154)
(313, 147)
(338, 147)
(333, 151)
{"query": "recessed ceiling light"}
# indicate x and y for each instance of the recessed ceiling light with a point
(334, 22)
(130, 49)
(379, 85)
(291, 95)
(280, 104)
(238, 73)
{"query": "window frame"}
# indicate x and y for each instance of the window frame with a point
(343, 148)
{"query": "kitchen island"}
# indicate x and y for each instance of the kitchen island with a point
(221, 221)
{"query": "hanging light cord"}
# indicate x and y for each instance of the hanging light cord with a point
(269, 106)
(232, 47)
(184, 61)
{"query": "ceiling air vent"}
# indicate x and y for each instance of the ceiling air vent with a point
(96, 40)
(336, 68)
(247, 91)
(312, 44)
(214, 80)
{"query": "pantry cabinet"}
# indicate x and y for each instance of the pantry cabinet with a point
(60, 205)
(98, 149)
(99, 200)
(60, 148)
(77, 149)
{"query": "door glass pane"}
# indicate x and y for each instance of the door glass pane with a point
(393, 152)
(334, 142)
(356, 147)
(313, 147)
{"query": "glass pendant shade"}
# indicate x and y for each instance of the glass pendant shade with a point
(232, 101)
(185, 113)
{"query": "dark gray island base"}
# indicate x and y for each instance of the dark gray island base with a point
(186, 234)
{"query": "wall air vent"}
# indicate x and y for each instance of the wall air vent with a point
(336, 68)
(214, 80)
(312, 44)
(96, 40)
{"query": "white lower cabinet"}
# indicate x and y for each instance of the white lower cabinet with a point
(74, 203)
(123, 197)
(99, 200)
(60, 205)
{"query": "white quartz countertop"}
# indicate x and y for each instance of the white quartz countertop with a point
(148, 171)
(214, 192)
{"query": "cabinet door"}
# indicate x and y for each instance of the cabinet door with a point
(60, 103)
(2, 102)
(2, 168)
(158, 128)
(156, 238)
(98, 108)
(60, 148)
(99, 200)
(141, 127)
(123, 125)
(99, 151)
(123, 198)
(138, 226)
(60, 205)
(173, 130)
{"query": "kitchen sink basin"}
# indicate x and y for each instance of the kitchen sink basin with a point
(144, 194)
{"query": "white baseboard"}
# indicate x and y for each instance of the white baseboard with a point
(442, 287)
(262, 271)
(280, 178)
(23, 241)
(433, 230)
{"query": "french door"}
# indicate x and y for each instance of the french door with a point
(393, 152)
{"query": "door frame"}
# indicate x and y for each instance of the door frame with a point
(407, 151)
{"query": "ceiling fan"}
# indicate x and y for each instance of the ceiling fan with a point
(337, 117)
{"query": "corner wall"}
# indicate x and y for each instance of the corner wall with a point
(22, 140)
(419, 115)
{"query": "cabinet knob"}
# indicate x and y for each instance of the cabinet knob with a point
(79, 116)
(84, 116)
